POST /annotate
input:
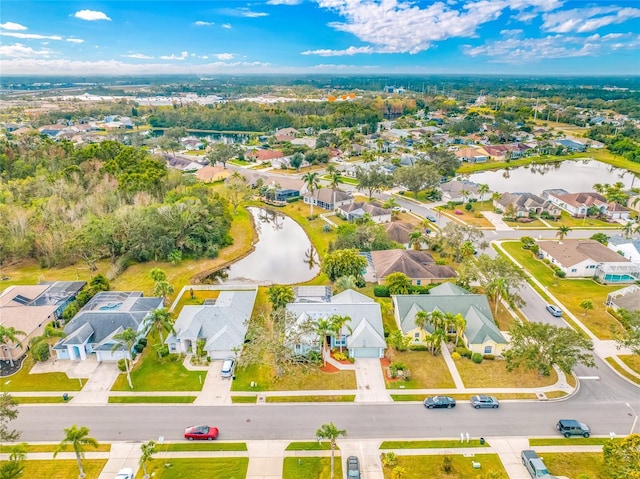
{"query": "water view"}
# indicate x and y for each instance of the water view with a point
(573, 176)
(283, 254)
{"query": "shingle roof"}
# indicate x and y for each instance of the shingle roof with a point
(569, 252)
(415, 264)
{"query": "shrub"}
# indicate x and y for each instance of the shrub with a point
(399, 341)
(476, 358)
(139, 348)
(162, 350)
(41, 351)
(477, 214)
(447, 467)
(340, 356)
(468, 207)
(489, 357)
(381, 291)
(142, 341)
(463, 352)
(122, 365)
(455, 355)
(415, 289)
(389, 459)
(560, 273)
(418, 347)
(293, 199)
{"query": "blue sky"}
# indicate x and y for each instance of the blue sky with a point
(123, 37)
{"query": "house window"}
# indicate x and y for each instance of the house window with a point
(298, 348)
(340, 342)
(418, 282)
(488, 349)
(573, 270)
(416, 337)
(172, 348)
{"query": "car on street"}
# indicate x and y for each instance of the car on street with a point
(435, 402)
(431, 218)
(228, 367)
(126, 473)
(208, 433)
(572, 427)
(554, 310)
(353, 467)
(484, 401)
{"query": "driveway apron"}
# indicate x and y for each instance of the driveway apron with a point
(215, 389)
(371, 386)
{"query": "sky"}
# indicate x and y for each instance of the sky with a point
(132, 37)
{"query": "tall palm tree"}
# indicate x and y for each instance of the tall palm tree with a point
(465, 195)
(334, 182)
(496, 196)
(436, 339)
(562, 232)
(422, 319)
(124, 341)
(313, 183)
(330, 432)
(436, 318)
(498, 288)
(628, 229)
(324, 329)
(161, 319)
(345, 282)
(147, 449)
(483, 188)
(78, 438)
(10, 336)
(416, 238)
(337, 324)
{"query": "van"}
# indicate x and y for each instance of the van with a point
(571, 427)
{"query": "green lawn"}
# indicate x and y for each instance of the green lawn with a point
(426, 371)
(23, 381)
(52, 447)
(568, 441)
(62, 468)
(567, 220)
(570, 292)
(198, 468)
(494, 374)
(244, 399)
(310, 446)
(151, 399)
(199, 297)
(573, 465)
(303, 379)
(461, 467)
(632, 361)
(310, 467)
(323, 398)
(201, 446)
(462, 397)
(623, 372)
(151, 373)
(40, 399)
(433, 444)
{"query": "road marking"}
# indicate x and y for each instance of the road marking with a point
(494, 232)
(588, 377)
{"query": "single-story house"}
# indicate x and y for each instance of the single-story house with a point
(419, 266)
(221, 322)
(210, 173)
(363, 334)
(284, 188)
(471, 155)
(503, 152)
(571, 145)
(29, 308)
(182, 164)
(578, 205)
(263, 155)
(588, 258)
(399, 232)
(324, 198)
(628, 248)
(453, 190)
(627, 298)
(526, 203)
(480, 335)
(108, 313)
(358, 210)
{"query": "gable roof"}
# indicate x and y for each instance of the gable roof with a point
(569, 252)
(415, 264)
(360, 208)
(398, 231)
(326, 195)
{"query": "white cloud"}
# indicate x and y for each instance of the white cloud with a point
(12, 26)
(226, 25)
(30, 36)
(182, 56)
(582, 20)
(242, 12)
(335, 53)
(511, 33)
(400, 26)
(18, 50)
(91, 15)
(284, 2)
(75, 40)
(138, 56)
(201, 23)
(224, 56)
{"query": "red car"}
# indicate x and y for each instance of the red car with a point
(201, 432)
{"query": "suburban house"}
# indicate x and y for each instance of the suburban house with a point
(471, 155)
(327, 199)
(363, 334)
(578, 205)
(399, 232)
(419, 266)
(628, 248)
(221, 322)
(588, 258)
(209, 173)
(460, 191)
(627, 298)
(283, 188)
(29, 308)
(571, 145)
(504, 152)
(263, 155)
(108, 313)
(525, 204)
(480, 335)
(358, 210)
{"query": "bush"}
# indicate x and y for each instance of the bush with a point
(293, 199)
(142, 341)
(415, 289)
(447, 465)
(340, 356)
(418, 347)
(468, 207)
(138, 348)
(463, 352)
(41, 351)
(399, 341)
(381, 291)
(476, 358)
(560, 273)
(162, 350)
(455, 355)
(489, 357)
(389, 459)
(122, 366)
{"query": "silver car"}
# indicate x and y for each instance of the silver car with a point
(484, 401)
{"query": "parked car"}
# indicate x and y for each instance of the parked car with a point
(554, 310)
(534, 464)
(431, 218)
(571, 427)
(353, 467)
(201, 432)
(484, 401)
(228, 367)
(439, 402)
(126, 473)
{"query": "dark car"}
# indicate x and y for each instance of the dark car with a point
(484, 401)
(571, 427)
(554, 310)
(353, 467)
(201, 432)
(435, 402)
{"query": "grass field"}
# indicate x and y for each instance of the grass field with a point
(304, 379)
(433, 444)
(567, 441)
(426, 371)
(631, 361)
(323, 398)
(62, 468)
(575, 465)
(40, 399)
(198, 468)
(310, 446)
(494, 374)
(622, 371)
(201, 446)
(52, 447)
(310, 467)
(461, 467)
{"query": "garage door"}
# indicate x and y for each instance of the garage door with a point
(365, 353)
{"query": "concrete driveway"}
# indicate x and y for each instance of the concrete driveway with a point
(371, 387)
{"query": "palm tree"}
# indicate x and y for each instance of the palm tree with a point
(49, 333)
(337, 323)
(416, 239)
(161, 319)
(148, 450)
(436, 318)
(435, 340)
(124, 341)
(482, 189)
(345, 282)
(498, 288)
(562, 232)
(465, 195)
(460, 324)
(422, 319)
(334, 182)
(323, 327)
(10, 335)
(496, 196)
(79, 439)
(330, 432)
(628, 229)
(313, 183)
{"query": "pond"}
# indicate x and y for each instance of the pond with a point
(573, 176)
(283, 254)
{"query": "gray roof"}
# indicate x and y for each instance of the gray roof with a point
(223, 324)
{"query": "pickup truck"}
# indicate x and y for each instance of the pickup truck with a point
(534, 464)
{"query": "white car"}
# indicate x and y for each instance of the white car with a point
(126, 473)
(228, 366)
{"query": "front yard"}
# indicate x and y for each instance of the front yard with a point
(426, 371)
(23, 381)
(461, 467)
(303, 379)
(196, 468)
(494, 374)
(577, 465)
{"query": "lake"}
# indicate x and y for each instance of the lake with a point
(573, 176)
(283, 254)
